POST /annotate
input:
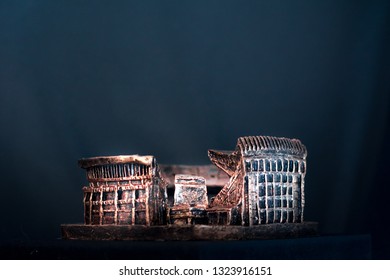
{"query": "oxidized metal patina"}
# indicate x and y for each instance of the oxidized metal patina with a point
(253, 192)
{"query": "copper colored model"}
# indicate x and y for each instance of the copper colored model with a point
(124, 190)
(266, 184)
(257, 193)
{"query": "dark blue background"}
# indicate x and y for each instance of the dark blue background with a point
(175, 78)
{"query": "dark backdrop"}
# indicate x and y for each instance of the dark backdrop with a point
(175, 78)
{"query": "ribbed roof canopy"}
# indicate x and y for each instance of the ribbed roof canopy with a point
(104, 160)
(254, 145)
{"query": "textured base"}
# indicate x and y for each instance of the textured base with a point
(195, 232)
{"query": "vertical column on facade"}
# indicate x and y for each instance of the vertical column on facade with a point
(101, 206)
(302, 186)
(273, 169)
(146, 197)
(133, 206)
(249, 183)
(116, 203)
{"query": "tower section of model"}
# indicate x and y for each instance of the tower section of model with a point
(266, 182)
(124, 190)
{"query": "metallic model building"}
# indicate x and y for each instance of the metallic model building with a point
(124, 190)
(265, 186)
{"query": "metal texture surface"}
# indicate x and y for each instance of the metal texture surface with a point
(124, 190)
(104, 160)
(189, 232)
(190, 200)
(214, 177)
(260, 191)
(267, 185)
